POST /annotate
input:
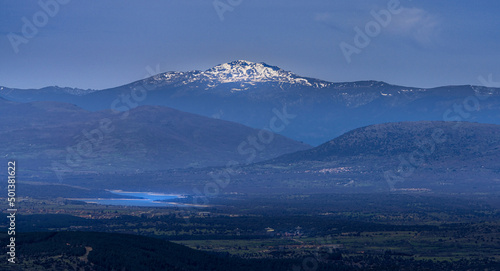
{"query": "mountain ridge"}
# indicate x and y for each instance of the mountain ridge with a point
(444, 157)
(255, 72)
(429, 157)
(390, 139)
(248, 93)
(44, 134)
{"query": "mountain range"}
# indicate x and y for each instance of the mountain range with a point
(424, 156)
(250, 93)
(429, 156)
(369, 136)
(52, 136)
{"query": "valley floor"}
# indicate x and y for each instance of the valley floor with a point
(398, 231)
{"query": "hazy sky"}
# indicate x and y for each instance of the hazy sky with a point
(104, 43)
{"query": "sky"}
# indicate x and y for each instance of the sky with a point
(98, 44)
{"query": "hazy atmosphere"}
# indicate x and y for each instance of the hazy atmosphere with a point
(250, 135)
(102, 44)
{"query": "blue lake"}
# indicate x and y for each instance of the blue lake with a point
(146, 199)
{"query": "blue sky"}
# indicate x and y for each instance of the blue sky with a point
(101, 44)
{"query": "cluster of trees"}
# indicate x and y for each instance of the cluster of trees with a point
(131, 252)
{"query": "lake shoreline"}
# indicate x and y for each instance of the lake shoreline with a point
(139, 199)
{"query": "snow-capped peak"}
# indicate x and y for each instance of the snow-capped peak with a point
(246, 71)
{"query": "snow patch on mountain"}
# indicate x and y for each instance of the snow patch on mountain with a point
(77, 91)
(240, 71)
(245, 71)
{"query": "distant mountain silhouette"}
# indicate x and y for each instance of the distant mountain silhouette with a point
(247, 92)
(445, 157)
(47, 135)
(437, 140)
